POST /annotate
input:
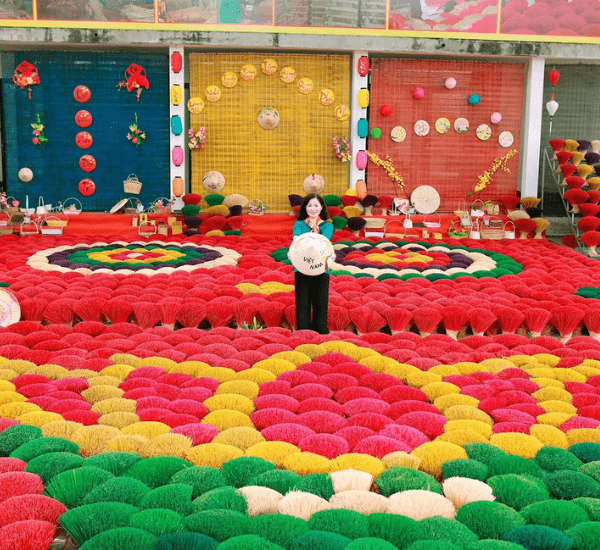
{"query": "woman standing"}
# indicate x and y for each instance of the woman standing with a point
(312, 290)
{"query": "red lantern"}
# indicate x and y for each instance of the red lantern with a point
(176, 62)
(363, 66)
(87, 187)
(553, 76)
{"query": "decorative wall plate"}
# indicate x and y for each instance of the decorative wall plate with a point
(82, 94)
(398, 134)
(326, 96)
(305, 86)
(84, 140)
(506, 139)
(421, 128)
(287, 75)
(248, 73)
(268, 66)
(212, 93)
(87, 163)
(425, 199)
(87, 187)
(461, 125)
(229, 79)
(195, 105)
(83, 119)
(484, 132)
(442, 125)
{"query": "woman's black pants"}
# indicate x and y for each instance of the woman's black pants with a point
(312, 290)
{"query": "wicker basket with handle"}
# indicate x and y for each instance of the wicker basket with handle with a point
(132, 184)
(494, 231)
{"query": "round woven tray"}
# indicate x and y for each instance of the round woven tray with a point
(425, 199)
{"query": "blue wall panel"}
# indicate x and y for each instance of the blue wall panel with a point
(55, 164)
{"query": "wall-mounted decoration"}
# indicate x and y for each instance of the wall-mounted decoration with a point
(421, 128)
(418, 93)
(178, 186)
(363, 66)
(268, 118)
(177, 155)
(496, 118)
(326, 97)
(314, 184)
(87, 187)
(386, 110)
(135, 135)
(213, 181)
(363, 98)
(248, 73)
(212, 93)
(305, 86)
(135, 79)
(176, 62)
(376, 133)
(342, 112)
(176, 125)
(82, 94)
(474, 99)
(342, 150)
(84, 140)
(450, 83)
(229, 79)
(461, 125)
(398, 134)
(483, 132)
(268, 66)
(361, 160)
(506, 139)
(287, 75)
(195, 105)
(25, 175)
(176, 94)
(26, 75)
(38, 131)
(196, 138)
(87, 163)
(442, 125)
(83, 119)
(362, 128)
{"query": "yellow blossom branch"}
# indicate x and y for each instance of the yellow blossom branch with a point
(500, 163)
(388, 166)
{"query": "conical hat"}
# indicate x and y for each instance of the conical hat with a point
(311, 253)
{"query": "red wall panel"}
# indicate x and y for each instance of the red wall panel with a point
(449, 162)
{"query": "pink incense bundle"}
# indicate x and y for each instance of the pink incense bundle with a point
(32, 309)
(455, 319)
(591, 239)
(60, 312)
(563, 157)
(591, 320)
(169, 308)
(536, 320)
(575, 182)
(366, 320)
(397, 319)
(575, 197)
(90, 309)
(338, 318)
(525, 226)
(481, 320)
(426, 319)
(117, 310)
(271, 313)
(588, 223)
(147, 314)
(192, 312)
(509, 319)
(565, 319)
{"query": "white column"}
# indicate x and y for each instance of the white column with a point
(356, 144)
(181, 140)
(532, 128)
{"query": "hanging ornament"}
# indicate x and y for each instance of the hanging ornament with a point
(38, 131)
(26, 74)
(135, 79)
(135, 135)
(552, 105)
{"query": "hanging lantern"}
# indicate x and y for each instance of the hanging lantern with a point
(26, 75)
(176, 62)
(554, 76)
(552, 107)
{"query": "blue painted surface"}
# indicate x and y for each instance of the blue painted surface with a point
(55, 164)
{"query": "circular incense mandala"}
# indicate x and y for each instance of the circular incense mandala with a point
(123, 257)
(418, 260)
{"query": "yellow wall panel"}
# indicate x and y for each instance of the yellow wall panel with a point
(270, 164)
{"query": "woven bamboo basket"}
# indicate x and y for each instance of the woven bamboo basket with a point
(494, 231)
(132, 184)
